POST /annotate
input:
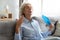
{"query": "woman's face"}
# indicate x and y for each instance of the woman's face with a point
(27, 10)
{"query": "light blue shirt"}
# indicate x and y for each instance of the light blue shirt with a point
(30, 30)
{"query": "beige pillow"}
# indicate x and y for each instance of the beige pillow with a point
(57, 32)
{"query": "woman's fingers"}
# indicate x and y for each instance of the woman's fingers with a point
(21, 19)
(19, 22)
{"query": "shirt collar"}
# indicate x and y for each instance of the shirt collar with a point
(26, 20)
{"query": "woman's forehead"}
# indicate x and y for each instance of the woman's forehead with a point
(28, 6)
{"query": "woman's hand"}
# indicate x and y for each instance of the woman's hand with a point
(19, 22)
(50, 28)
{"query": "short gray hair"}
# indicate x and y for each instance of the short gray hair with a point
(22, 7)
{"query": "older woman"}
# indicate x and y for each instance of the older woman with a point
(28, 28)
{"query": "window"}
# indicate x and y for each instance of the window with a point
(49, 8)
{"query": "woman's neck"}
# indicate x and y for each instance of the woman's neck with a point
(29, 18)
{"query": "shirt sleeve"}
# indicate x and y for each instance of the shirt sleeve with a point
(46, 34)
(17, 36)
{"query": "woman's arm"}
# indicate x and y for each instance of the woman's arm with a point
(17, 30)
(48, 32)
(18, 24)
(17, 36)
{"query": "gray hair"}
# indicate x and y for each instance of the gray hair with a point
(22, 7)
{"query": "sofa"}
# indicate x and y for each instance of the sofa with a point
(7, 28)
(44, 27)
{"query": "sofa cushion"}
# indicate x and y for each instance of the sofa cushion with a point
(7, 29)
(57, 32)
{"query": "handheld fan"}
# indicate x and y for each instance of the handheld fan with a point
(46, 20)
